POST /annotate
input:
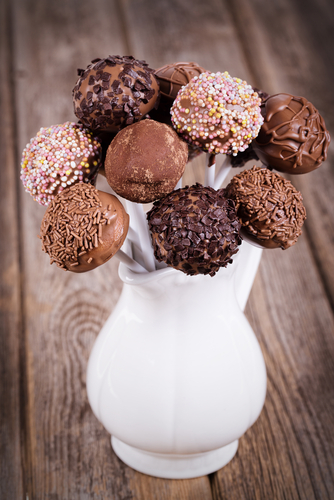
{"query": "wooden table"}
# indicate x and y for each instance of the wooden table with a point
(52, 447)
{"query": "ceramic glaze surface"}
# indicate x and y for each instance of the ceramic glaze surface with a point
(177, 369)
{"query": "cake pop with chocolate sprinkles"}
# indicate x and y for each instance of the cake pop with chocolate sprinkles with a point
(114, 92)
(145, 161)
(293, 137)
(269, 207)
(195, 229)
(83, 228)
(57, 157)
(218, 113)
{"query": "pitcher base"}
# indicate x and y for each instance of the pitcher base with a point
(170, 466)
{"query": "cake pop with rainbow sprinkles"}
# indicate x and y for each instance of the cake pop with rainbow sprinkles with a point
(58, 157)
(217, 113)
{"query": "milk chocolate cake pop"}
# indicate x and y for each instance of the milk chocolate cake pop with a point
(293, 137)
(217, 113)
(269, 207)
(114, 92)
(57, 157)
(83, 228)
(145, 161)
(195, 229)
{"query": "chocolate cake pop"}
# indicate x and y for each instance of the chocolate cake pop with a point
(114, 92)
(217, 113)
(195, 229)
(269, 207)
(293, 137)
(171, 78)
(83, 228)
(145, 161)
(57, 157)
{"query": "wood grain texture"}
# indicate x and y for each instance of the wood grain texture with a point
(289, 47)
(11, 483)
(66, 453)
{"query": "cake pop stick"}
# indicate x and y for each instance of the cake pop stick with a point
(223, 172)
(131, 263)
(210, 170)
(137, 212)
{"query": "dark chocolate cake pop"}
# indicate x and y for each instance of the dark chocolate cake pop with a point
(57, 157)
(114, 92)
(145, 161)
(269, 207)
(83, 228)
(195, 229)
(293, 137)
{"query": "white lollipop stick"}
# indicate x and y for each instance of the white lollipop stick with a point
(210, 170)
(179, 184)
(221, 176)
(143, 233)
(132, 264)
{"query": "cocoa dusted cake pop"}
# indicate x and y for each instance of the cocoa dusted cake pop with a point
(293, 137)
(145, 161)
(83, 228)
(217, 113)
(269, 207)
(57, 157)
(114, 92)
(195, 229)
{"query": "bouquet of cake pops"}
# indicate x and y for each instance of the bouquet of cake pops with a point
(139, 127)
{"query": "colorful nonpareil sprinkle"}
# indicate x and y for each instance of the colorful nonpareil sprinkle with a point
(218, 113)
(57, 157)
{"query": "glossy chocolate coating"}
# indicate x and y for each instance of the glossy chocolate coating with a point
(114, 92)
(172, 77)
(90, 225)
(269, 207)
(145, 161)
(195, 229)
(293, 137)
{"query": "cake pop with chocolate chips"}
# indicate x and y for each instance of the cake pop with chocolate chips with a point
(269, 207)
(217, 113)
(293, 137)
(114, 92)
(195, 229)
(57, 157)
(83, 228)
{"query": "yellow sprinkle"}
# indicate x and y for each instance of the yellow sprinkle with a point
(194, 121)
(233, 130)
(94, 163)
(218, 115)
(187, 111)
(82, 163)
(209, 98)
(189, 129)
(86, 165)
(68, 172)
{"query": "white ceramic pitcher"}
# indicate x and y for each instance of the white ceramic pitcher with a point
(176, 375)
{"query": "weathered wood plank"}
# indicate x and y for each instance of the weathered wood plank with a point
(278, 457)
(11, 476)
(69, 453)
(290, 49)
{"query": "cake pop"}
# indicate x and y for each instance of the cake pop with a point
(145, 161)
(195, 229)
(83, 228)
(57, 157)
(114, 92)
(293, 137)
(218, 113)
(269, 207)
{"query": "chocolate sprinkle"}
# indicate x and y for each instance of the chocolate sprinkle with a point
(269, 207)
(195, 229)
(70, 222)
